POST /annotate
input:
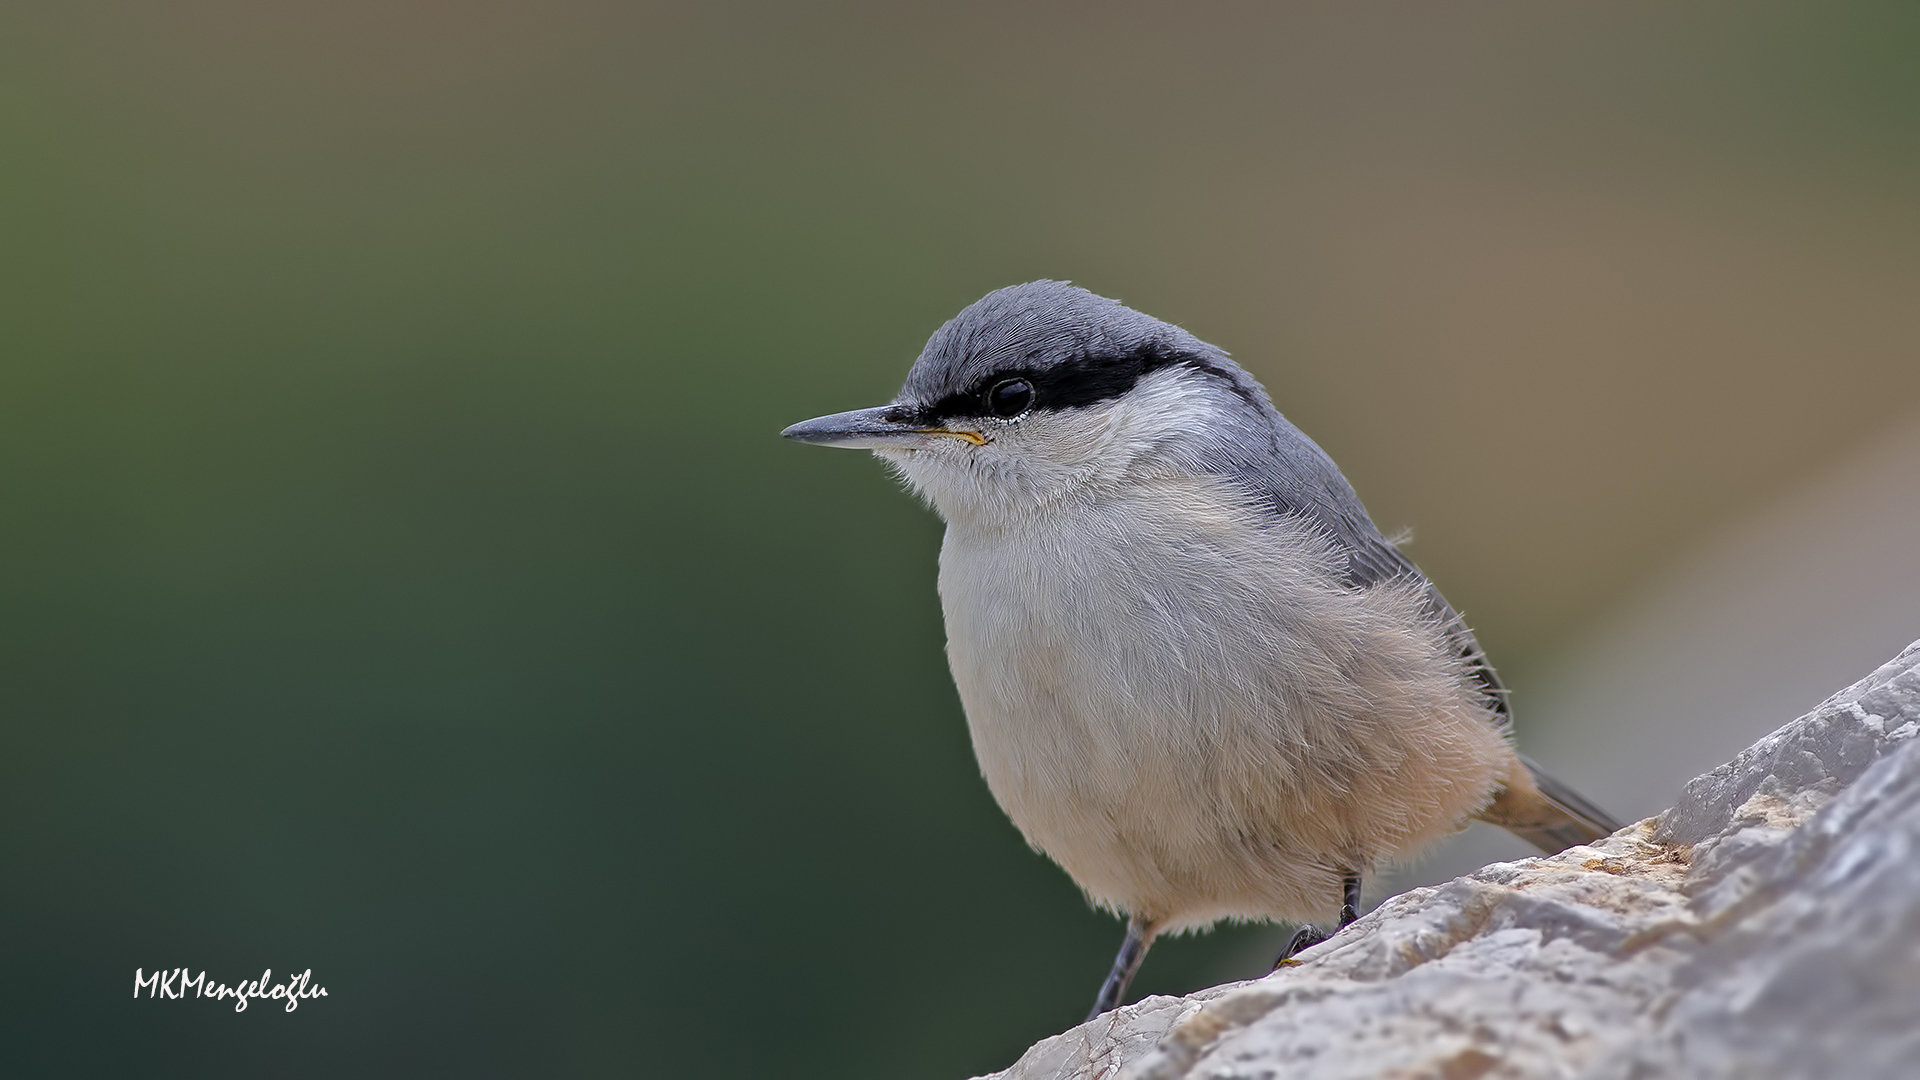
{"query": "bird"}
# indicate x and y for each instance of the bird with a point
(1195, 674)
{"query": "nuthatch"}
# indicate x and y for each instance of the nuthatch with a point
(1196, 675)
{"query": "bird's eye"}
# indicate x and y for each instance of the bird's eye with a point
(1010, 398)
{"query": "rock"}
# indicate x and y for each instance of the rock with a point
(1766, 926)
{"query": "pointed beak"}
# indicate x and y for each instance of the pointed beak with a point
(887, 427)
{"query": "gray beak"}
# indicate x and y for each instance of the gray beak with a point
(887, 427)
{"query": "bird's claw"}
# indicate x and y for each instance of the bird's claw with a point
(1303, 939)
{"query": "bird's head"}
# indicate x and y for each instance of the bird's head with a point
(1039, 392)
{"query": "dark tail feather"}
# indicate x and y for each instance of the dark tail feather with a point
(1560, 818)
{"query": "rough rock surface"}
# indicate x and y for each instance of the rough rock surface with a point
(1766, 926)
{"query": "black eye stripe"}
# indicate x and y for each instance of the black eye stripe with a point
(1074, 385)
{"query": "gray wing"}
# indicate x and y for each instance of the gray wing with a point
(1299, 480)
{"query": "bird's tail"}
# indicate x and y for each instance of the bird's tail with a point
(1545, 812)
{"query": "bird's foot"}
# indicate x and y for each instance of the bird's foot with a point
(1303, 939)
(1310, 935)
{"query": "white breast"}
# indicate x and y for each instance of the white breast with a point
(1178, 701)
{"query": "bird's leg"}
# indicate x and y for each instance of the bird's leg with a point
(1308, 936)
(1133, 949)
(1349, 898)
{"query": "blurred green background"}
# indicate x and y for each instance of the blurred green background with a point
(402, 576)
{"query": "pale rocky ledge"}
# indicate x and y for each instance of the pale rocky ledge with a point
(1767, 926)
